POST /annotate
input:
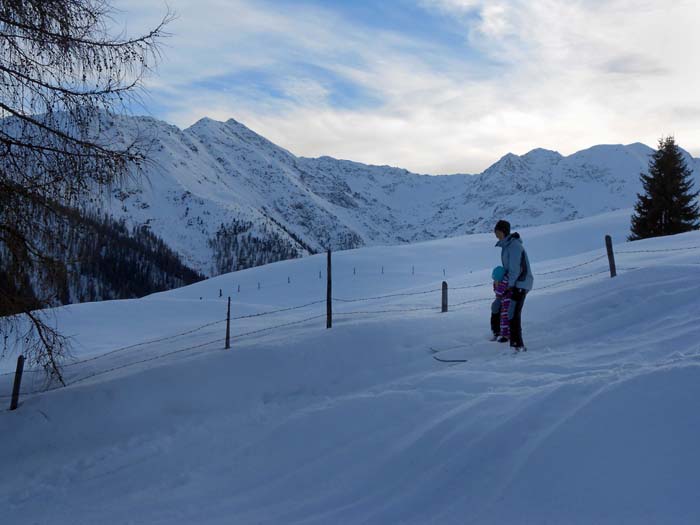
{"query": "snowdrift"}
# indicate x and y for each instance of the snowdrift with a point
(596, 423)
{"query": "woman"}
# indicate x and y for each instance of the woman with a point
(520, 280)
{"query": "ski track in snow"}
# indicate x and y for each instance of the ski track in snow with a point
(596, 423)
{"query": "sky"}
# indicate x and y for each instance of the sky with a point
(433, 86)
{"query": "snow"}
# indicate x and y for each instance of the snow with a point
(213, 172)
(596, 423)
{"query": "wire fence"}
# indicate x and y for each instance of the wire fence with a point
(284, 325)
(82, 374)
(80, 379)
(569, 268)
(406, 294)
(660, 251)
(271, 312)
(123, 348)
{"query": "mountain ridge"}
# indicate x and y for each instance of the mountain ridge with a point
(213, 174)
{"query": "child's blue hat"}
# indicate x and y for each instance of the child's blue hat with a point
(499, 272)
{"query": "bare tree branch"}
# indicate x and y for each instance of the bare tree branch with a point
(63, 79)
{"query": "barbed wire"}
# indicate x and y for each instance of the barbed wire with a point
(283, 284)
(237, 336)
(166, 338)
(119, 367)
(659, 251)
(588, 276)
(124, 348)
(261, 314)
(33, 392)
(466, 287)
(406, 294)
(153, 341)
(160, 356)
(552, 285)
(301, 321)
(470, 301)
(480, 285)
(572, 267)
(402, 310)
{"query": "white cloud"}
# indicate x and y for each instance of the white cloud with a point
(570, 74)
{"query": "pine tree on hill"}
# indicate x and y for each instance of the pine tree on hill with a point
(668, 205)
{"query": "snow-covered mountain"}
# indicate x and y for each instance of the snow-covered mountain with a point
(222, 177)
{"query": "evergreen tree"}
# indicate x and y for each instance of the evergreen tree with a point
(667, 206)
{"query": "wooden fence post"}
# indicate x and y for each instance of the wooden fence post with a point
(444, 296)
(18, 382)
(611, 255)
(228, 325)
(329, 294)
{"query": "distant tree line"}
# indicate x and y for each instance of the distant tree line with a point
(237, 246)
(63, 77)
(93, 257)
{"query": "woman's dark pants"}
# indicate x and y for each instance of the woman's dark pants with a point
(516, 329)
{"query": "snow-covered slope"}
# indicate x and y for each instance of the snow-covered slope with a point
(596, 423)
(215, 172)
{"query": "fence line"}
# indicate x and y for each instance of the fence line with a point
(572, 267)
(417, 309)
(481, 285)
(261, 314)
(288, 282)
(470, 301)
(406, 294)
(102, 372)
(455, 306)
(124, 348)
(160, 356)
(166, 338)
(553, 285)
(658, 251)
(278, 326)
(153, 341)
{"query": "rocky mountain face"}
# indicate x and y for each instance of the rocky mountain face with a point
(225, 198)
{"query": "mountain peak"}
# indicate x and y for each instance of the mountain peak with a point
(538, 159)
(207, 124)
(222, 173)
(210, 123)
(542, 152)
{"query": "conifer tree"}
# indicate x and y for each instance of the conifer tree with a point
(668, 205)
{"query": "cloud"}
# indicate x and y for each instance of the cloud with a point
(513, 75)
(636, 65)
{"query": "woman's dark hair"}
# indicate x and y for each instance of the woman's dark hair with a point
(503, 226)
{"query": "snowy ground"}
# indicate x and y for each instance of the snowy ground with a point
(596, 423)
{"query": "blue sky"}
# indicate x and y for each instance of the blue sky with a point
(434, 86)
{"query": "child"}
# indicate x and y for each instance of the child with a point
(500, 324)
